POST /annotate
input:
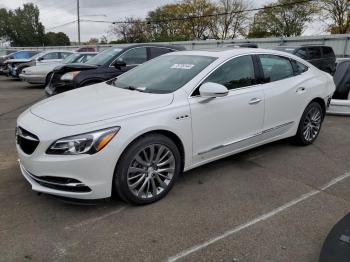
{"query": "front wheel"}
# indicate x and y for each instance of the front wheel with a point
(147, 169)
(310, 124)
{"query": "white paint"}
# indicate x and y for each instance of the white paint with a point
(261, 218)
(95, 219)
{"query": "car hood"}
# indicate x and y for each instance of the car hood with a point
(97, 103)
(45, 68)
(74, 67)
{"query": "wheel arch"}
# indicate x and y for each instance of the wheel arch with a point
(322, 103)
(170, 134)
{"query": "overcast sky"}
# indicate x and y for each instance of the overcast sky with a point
(54, 13)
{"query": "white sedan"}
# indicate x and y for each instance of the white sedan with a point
(133, 135)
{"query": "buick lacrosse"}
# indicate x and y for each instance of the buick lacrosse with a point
(133, 135)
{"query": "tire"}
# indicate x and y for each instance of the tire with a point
(48, 78)
(136, 179)
(310, 124)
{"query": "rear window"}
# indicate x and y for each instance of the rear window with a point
(327, 52)
(314, 52)
(301, 52)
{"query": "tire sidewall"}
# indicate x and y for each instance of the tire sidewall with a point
(120, 175)
(300, 135)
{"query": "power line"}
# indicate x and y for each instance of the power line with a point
(68, 23)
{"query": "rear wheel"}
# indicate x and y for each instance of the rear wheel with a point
(147, 169)
(310, 124)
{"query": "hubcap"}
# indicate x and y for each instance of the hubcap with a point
(151, 171)
(312, 124)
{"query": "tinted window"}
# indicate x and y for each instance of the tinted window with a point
(314, 52)
(64, 55)
(299, 67)
(236, 73)
(105, 56)
(301, 53)
(327, 52)
(49, 56)
(134, 56)
(164, 74)
(276, 67)
(157, 51)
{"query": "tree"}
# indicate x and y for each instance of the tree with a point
(234, 23)
(338, 12)
(24, 27)
(56, 39)
(92, 41)
(282, 18)
(132, 31)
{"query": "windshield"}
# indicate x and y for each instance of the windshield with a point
(164, 74)
(71, 59)
(285, 49)
(104, 56)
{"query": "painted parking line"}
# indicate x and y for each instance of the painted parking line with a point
(256, 220)
(95, 219)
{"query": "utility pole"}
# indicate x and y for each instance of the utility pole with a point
(78, 20)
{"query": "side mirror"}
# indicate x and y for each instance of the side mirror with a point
(211, 90)
(40, 59)
(119, 64)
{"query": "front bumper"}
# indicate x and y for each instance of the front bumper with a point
(33, 79)
(70, 176)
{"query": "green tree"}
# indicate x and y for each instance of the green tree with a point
(287, 19)
(338, 13)
(24, 27)
(56, 39)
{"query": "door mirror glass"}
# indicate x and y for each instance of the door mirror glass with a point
(40, 58)
(211, 90)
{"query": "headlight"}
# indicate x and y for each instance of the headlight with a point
(88, 143)
(69, 76)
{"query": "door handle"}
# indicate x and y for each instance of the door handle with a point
(254, 101)
(301, 90)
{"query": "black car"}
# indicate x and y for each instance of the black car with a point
(106, 65)
(321, 56)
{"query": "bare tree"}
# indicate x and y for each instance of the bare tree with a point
(338, 13)
(235, 21)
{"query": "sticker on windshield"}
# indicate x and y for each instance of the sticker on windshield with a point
(182, 66)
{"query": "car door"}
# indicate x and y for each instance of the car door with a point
(50, 58)
(285, 93)
(226, 124)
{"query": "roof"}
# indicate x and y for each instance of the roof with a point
(127, 46)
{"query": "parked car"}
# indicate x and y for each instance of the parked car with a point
(14, 55)
(321, 56)
(342, 80)
(134, 134)
(86, 49)
(240, 45)
(106, 65)
(15, 66)
(42, 73)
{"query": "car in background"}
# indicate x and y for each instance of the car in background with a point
(14, 55)
(15, 66)
(107, 64)
(134, 134)
(86, 49)
(321, 56)
(241, 45)
(41, 74)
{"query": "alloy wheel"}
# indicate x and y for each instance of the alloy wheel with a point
(151, 171)
(312, 124)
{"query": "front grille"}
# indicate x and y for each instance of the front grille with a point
(27, 141)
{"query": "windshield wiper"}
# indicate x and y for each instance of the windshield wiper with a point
(134, 88)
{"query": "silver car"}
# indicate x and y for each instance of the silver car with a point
(40, 74)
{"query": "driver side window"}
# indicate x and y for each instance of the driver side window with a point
(134, 56)
(236, 73)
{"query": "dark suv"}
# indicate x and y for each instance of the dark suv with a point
(320, 56)
(106, 65)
